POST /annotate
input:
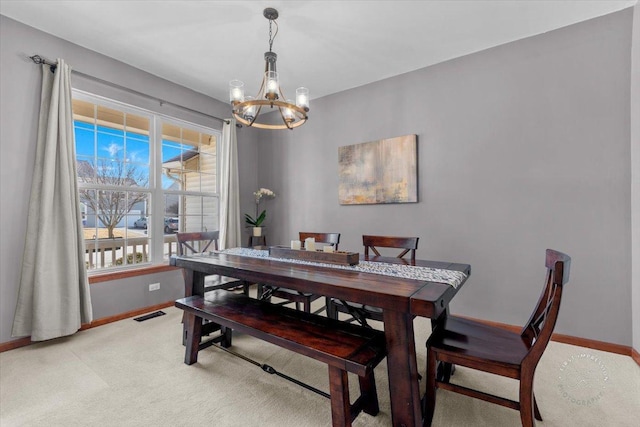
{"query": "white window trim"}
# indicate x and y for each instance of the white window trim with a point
(155, 189)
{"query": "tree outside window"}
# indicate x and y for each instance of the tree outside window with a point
(115, 148)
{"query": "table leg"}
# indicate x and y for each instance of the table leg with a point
(193, 282)
(193, 285)
(187, 275)
(403, 371)
(198, 283)
(193, 328)
(444, 370)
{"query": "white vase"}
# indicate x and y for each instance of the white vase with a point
(257, 231)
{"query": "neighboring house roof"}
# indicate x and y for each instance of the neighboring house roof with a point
(175, 163)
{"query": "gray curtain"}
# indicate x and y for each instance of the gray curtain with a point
(53, 299)
(230, 227)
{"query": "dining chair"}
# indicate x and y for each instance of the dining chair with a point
(373, 244)
(201, 242)
(191, 243)
(491, 349)
(291, 295)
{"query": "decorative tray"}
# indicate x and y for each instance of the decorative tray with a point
(337, 257)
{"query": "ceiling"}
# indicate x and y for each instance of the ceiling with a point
(327, 46)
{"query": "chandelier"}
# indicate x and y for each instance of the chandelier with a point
(247, 109)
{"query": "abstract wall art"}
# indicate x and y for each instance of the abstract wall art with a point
(377, 172)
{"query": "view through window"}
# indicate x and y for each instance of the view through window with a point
(142, 178)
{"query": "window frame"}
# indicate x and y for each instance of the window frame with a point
(156, 242)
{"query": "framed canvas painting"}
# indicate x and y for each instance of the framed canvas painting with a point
(377, 172)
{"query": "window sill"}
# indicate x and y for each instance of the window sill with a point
(117, 275)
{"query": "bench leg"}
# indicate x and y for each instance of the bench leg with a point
(332, 312)
(193, 330)
(340, 405)
(226, 335)
(369, 394)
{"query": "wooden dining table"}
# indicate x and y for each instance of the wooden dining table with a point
(402, 299)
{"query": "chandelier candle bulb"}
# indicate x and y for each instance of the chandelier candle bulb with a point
(236, 91)
(271, 91)
(287, 113)
(302, 98)
(249, 112)
(296, 244)
(310, 244)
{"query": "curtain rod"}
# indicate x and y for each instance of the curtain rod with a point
(40, 60)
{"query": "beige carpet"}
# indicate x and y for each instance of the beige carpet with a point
(132, 373)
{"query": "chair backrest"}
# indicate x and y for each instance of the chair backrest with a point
(537, 332)
(332, 239)
(198, 242)
(408, 244)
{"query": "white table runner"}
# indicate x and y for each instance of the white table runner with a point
(438, 275)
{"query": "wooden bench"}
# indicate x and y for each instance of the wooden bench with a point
(342, 346)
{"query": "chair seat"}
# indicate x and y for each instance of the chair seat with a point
(265, 292)
(293, 292)
(212, 283)
(474, 341)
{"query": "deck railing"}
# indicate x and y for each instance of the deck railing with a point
(104, 253)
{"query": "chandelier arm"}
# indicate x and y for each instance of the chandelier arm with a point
(260, 93)
(255, 117)
(268, 126)
(261, 102)
(284, 98)
(284, 120)
(240, 119)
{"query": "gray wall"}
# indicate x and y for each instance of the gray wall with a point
(522, 147)
(635, 170)
(20, 82)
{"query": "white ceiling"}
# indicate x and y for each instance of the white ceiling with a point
(327, 46)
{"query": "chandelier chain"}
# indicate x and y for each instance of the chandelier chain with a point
(272, 37)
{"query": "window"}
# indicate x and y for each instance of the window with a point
(189, 181)
(142, 178)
